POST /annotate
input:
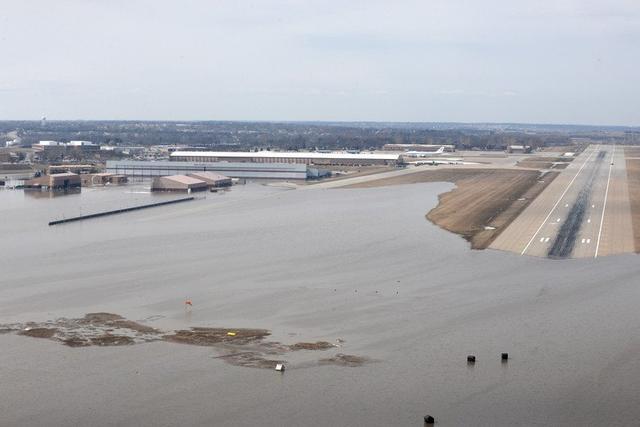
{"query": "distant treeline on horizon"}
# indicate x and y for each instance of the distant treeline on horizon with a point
(237, 135)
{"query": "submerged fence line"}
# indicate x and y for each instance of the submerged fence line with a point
(118, 211)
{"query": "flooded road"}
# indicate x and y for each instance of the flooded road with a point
(360, 266)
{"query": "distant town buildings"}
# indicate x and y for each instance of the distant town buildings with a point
(12, 143)
(61, 146)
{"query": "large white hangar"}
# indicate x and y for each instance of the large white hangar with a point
(308, 158)
(137, 168)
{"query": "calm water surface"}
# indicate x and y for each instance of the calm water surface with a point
(360, 265)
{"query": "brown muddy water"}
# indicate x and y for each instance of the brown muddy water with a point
(401, 302)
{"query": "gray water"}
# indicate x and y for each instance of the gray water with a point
(407, 294)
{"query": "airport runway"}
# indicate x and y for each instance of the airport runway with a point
(584, 213)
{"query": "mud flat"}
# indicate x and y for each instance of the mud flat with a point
(633, 180)
(239, 346)
(484, 202)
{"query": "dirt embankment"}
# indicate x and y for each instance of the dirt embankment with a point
(484, 202)
(633, 181)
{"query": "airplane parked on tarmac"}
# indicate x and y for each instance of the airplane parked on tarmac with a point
(440, 152)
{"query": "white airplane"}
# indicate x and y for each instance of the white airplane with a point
(440, 152)
(441, 161)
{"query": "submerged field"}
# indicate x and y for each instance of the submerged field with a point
(377, 308)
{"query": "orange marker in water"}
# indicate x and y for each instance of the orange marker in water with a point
(188, 302)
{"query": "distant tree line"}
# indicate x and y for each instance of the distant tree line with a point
(239, 136)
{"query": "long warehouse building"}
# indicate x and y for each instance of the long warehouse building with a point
(345, 159)
(135, 168)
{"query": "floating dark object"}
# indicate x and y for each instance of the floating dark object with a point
(471, 359)
(428, 419)
(505, 357)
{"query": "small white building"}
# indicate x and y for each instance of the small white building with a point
(80, 143)
(519, 149)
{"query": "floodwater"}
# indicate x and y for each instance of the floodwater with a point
(363, 266)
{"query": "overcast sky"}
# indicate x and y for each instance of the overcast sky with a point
(533, 61)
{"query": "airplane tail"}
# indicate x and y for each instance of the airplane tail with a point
(440, 150)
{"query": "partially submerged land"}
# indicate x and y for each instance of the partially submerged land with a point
(239, 346)
(484, 201)
(520, 203)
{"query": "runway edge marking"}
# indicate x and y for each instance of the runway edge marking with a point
(604, 205)
(558, 202)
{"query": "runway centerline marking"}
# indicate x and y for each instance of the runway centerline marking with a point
(604, 205)
(558, 202)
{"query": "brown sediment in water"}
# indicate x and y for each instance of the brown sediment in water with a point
(319, 345)
(239, 346)
(250, 359)
(76, 342)
(116, 321)
(345, 360)
(100, 329)
(38, 332)
(110, 340)
(484, 202)
(212, 336)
